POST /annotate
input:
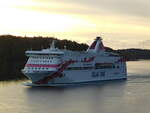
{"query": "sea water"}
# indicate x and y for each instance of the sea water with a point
(123, 96)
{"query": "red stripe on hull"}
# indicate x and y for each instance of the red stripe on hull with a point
(45, 80)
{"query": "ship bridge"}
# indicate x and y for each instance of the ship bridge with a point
(50, 51)
(44, 52)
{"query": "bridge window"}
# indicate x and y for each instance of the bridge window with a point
(117, 66)
(79, 68)
(104, 65)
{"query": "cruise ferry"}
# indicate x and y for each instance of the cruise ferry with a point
(55, 67)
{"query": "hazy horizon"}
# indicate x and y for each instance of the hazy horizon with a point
(121, 24)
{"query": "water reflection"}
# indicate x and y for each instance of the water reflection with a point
(71, 99)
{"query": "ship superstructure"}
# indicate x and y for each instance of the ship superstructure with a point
(52, 66)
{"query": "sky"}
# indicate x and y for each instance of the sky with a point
(121, 23)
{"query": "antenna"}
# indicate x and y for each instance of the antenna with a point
(52, 46)
(65, 47)
(31, 48)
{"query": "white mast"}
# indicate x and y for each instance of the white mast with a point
(52, 46)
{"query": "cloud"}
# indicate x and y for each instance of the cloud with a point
(128, 20)
(145, 44)
(123, 7)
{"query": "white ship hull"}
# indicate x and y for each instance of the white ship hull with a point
(77, 76)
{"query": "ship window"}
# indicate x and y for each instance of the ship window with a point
(103, 65)
(79, 68)
(86, 68)
(69, 68)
